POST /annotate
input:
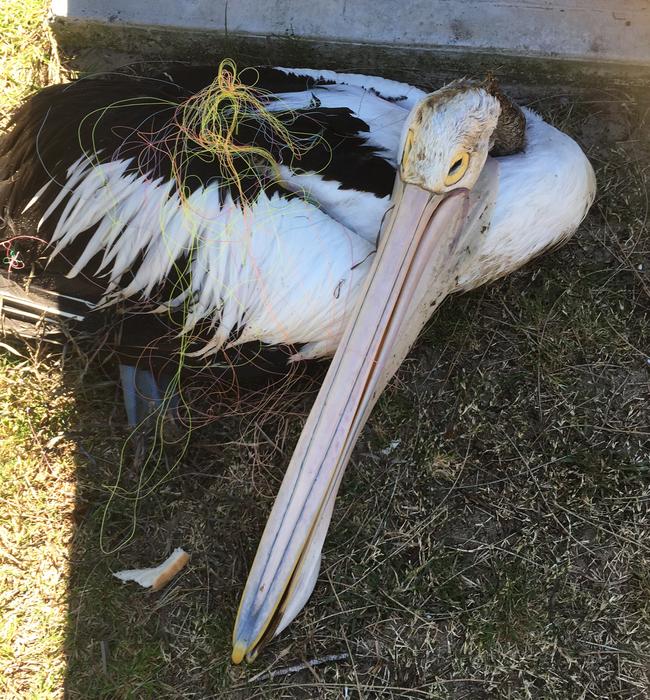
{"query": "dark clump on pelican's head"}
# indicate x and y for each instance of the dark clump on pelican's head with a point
(510, 134)
(448, 137)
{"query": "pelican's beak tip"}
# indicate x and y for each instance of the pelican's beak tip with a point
(238, 652)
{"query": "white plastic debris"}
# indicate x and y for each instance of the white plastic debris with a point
(158, 576)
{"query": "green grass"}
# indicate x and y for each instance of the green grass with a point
(37, 478)
(491, 538)
(27, 58)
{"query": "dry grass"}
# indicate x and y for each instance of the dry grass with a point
(37, 476)
(491, 538)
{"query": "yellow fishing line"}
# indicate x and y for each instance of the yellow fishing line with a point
(212, 118)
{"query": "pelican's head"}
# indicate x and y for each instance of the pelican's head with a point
(447, 138)
(426, 238)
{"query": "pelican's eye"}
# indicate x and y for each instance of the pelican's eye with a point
(408, 143)
(458, 168)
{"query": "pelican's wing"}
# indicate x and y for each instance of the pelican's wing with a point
(90, 180)
(350, 172)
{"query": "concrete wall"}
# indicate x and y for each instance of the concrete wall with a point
(600, 30)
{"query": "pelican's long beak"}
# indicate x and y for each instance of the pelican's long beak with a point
(425, 243)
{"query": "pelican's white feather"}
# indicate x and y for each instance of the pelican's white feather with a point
(279, 271)
(402, 94)
(357, 210)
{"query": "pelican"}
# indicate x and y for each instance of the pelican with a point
(305, 213)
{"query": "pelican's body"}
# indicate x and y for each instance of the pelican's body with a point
(283, 270)
(109, 189)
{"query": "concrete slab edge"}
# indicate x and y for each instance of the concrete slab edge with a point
(410, 63)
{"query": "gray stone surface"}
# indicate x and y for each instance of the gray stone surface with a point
(605, 30)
